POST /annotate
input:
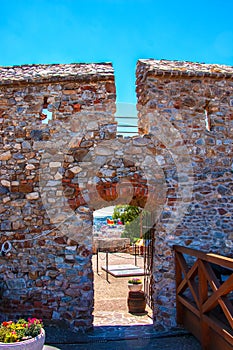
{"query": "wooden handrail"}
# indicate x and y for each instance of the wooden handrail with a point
(210, 257)
(206, 291)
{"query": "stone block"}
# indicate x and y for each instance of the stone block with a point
(32, 196)
(17, 283)
(5, 155)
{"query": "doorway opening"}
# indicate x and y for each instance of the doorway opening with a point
(118, 256)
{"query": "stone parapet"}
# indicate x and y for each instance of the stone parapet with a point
(165, 68)
(54, 73)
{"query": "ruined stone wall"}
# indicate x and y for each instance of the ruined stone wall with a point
(47, 273)
(187, 109)
(55, 173)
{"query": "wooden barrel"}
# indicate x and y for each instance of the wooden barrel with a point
(136, 302)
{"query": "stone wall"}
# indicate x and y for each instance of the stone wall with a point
(187, 109)
(47, 273)
(111, 245)
(54, 173)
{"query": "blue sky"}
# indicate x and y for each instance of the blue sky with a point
(120, 31)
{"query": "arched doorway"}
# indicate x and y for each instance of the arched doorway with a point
(112, 172)
(118, 256)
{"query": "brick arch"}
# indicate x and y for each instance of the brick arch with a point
(115, 181)
(136, 188)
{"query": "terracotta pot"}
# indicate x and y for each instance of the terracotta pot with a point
(135, 287)
(36, 343)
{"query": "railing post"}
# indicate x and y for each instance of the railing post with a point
(107, 266)
(203, 296)
(97, 261)
(135, 255)
(178, 276)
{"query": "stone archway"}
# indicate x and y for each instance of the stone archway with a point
(111, 172)
(112, 250)
(98, 172)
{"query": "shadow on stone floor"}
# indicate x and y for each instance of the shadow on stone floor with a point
(122, 338)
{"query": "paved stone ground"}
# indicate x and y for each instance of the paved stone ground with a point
(114, 327)
(173, 343)
(122, 338)
(111, 297)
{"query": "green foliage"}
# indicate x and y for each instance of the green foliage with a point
(130, 217)
(132, 230)
(6, 337)
(126, 213)
(135, 280)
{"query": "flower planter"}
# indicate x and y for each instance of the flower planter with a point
(36, 343)
(135, 287)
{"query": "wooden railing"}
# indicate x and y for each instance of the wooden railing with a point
(204, 298)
